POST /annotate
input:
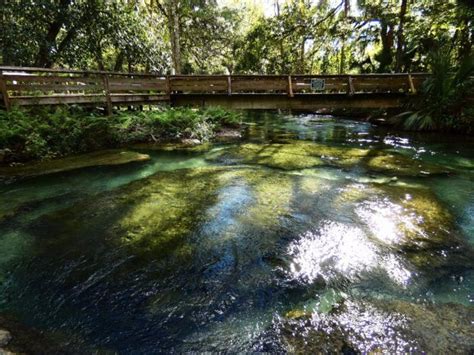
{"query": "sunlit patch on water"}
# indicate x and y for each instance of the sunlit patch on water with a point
(397, 142)
(337, 251)
(387, 221)
(365, 327)
(370, 327)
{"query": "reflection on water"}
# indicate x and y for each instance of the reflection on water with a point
(312, 234)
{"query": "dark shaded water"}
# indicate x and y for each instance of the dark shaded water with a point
(310, 234)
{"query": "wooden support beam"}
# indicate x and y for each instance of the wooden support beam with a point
(350, 86)
(290, 87)
(108, 98)
(229, 85)
(305, 102)
(412, 87)
(3, 90)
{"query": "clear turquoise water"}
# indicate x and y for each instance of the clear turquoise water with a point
(259, 242)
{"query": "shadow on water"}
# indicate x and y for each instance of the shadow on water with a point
(303, 237)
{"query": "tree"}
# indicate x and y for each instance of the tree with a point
(204, 36)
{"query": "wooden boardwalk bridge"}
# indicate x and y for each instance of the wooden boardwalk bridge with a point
(22, 86)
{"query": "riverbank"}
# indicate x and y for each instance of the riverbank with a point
(46, 134)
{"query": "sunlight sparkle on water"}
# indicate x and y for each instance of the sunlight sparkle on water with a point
(387, 221)
(339, 250)
(368, 327)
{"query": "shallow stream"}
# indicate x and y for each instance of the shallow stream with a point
(311, 233)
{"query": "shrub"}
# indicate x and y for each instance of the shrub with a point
(445, 97)
(47, 133)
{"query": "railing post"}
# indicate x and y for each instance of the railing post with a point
(412, 87)
(108, 99)
(3, 90)
(168, 87)
(290, 87)
(229, 85)
(350, 87)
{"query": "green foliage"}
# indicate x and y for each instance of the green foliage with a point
(445, 99)
(210, 36)
(43, 134)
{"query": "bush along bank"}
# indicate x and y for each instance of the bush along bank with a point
(49, 133)
(446, 101)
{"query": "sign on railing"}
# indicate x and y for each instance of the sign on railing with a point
(318, 84)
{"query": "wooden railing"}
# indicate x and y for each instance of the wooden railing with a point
(36, 86)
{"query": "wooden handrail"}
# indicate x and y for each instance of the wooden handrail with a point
(42, 86)
(99, 72)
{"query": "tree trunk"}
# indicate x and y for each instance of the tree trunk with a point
(385, 56)
(343, 55)
(174, 30)
(43, 58)
(342, 63)
(302, 61)
(119, 61)
(401, 37)
(466, 32)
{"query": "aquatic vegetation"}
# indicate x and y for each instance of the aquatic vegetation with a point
(272, 195)
(99, 158)
(13, 244)
(166, 209)
(280, 156)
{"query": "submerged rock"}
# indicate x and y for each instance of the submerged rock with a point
(5, 337)
(390, 326)
(16, 337)
(290, 156)
(227, 134)
(396, 236)
(100, 158)
(298, 154)
(188, 145)
(418, 226)
(400, 165)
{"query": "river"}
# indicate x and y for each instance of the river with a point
(311, 233)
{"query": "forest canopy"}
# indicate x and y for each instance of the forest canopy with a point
(231, 36)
